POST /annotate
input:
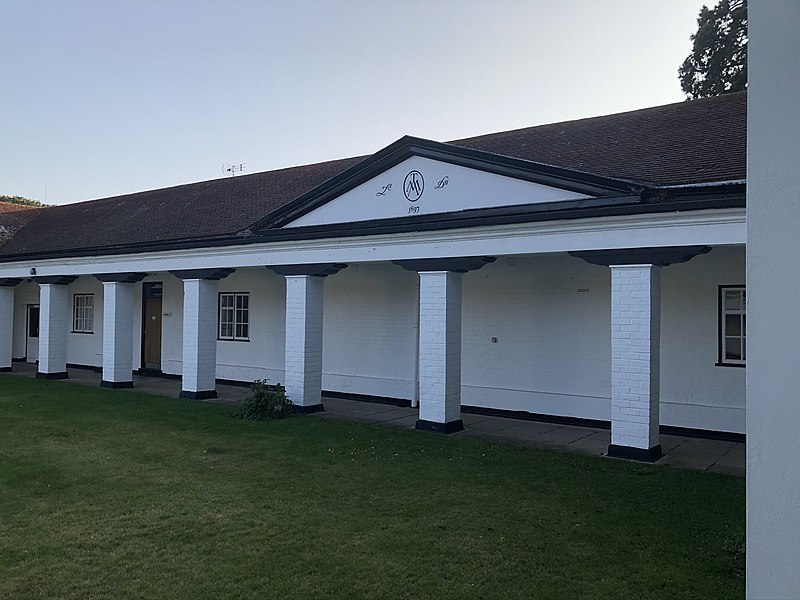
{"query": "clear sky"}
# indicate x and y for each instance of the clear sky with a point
(108, 97)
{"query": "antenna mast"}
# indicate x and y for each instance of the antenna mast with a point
(232, 169)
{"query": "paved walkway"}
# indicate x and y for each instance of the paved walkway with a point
(685, 452)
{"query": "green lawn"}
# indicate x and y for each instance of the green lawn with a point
(108, 494)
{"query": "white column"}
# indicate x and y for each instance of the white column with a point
(54, 326)
(118, 301)
(635, 340)
(6, 327)
(199, 338)
(773, 329)
(440, 351)
(304, 302)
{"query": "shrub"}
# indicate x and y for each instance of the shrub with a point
(265, 403)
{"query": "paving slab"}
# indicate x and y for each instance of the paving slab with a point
(668, 442)
(565, 435)
(596, 443)
(493, 424)
(470, 419)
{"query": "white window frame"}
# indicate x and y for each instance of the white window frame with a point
(728, 314)
(233, 317)
(83, 313)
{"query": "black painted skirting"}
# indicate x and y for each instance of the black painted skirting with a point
(402, 402)
(707, 434)
(449, 427)
(640, 454)
(116, 385)
(203, 395)
(237, 383)
(62, 375)
(538, 417)
(306, 410)
(94, 368)
(5, 369)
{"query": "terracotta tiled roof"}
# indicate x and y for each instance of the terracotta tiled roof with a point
(13, 218)
(684, 143)
(197, 210)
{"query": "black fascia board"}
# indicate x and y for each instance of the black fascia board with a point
(406, 147)
(656, 194)
(529, 213)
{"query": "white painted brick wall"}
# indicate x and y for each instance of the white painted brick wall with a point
(199, 335)
(440, 346)
(635, 341)
(6, 325)
(118, 300)
(86, 349)
(304, 314)
(54, 325)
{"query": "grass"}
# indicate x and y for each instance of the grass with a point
(108, 494)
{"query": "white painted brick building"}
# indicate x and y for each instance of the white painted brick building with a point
(570, 272)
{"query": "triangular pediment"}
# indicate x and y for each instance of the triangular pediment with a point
(413, 177)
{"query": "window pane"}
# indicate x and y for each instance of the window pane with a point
(90, 301)
(245, 331)
(733, 300)
(733, 325)
(733, 348)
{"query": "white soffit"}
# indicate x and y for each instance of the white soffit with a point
(419, 186)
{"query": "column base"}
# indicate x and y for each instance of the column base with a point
(203, 395)
(630, 453)
(449, 427)
(307, 410)
(61, 375)
(116, 385)
(5, 369)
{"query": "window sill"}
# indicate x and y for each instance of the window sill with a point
(219, 339)
(83, 332)
(738, 365)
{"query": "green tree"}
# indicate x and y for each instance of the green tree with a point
(718, 61)
(21, 200)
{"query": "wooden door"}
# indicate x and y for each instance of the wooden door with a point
(151, 346)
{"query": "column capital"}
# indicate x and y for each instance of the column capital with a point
(55, 279)
(121, 277)
(660, 257)
(312, 270)
(210, 274)
(461, 264)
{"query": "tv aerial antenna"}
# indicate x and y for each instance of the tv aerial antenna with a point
(229, 169)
